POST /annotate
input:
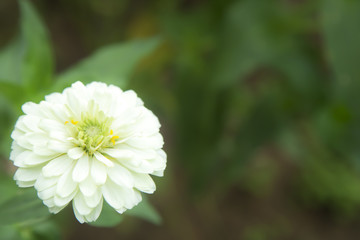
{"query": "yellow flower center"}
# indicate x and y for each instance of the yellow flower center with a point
(92, 132)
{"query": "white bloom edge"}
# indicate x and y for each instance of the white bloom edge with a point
(43, 149)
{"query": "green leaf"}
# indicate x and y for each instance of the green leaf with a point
(110, 64)
(24, 208)
(8, 189)
(246, 42)
(28, 59)
(37, 61)
(11, 62)
(260, 34)
(342, 36)
(145, 211)
(48, 230)
(12, 92)
(8, 113)
(9, 233)
(108, 217)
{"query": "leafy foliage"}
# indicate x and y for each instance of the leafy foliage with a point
(230, 79)
(24, 208)
(111, 64)
(26, 67)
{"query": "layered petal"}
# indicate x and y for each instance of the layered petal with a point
(86, 145)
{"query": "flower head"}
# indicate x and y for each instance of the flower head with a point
(87, 144)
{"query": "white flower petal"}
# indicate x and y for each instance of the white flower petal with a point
(49, 125)
(95, 213)
(74, 103)
(78, 216)
(49, 202)
(131, 197)
(25, 184)
(87, 144)
(38, 139)
(19, 161)
(61, 136)
(56, 209)
(27, 174)
(121, 176)
(76, 152)
(66, 186)
(24, 142)
(63, 201)
(88, 187)
(112, 196)
(137, 153)
(16, 150)
(98, 172)
(81, 169)
(20, 125)
(81, 91)
(138, 165)
(47, 193)
(144, 182)
(94, 200)
(44, 151)
(54, 98)
(32, 123)
(159, 162)
(29, 159)
(57, 166)
(59, 146)
(34, 159)
(121, 210)
(43, 183)
(80, 204)
(154, 142)
(33, 109)
(118, 153)
(103, 159)
(16, 134)
(120, 197)
(158, 173)
(149, 124)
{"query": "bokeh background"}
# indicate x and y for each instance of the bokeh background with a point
(258, 105)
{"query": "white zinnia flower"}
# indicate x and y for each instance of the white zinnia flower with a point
(85, 144)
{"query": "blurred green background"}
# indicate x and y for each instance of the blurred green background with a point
(257, 100)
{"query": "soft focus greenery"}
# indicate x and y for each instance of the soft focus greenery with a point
(257, 100)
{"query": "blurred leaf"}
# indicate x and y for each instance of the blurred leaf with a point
(11, 62)
(264, 33)
(23, 208)
(12, 95)
(108, 217)
(253, 133)
(245, 43)
(9, 233)
(145, 211)
(13, 92)
(110, 64)
(8, 189)
(290, 142)
(342, 36)
(46, 230)
(8, 115)
(37, 59)
(318, 186)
